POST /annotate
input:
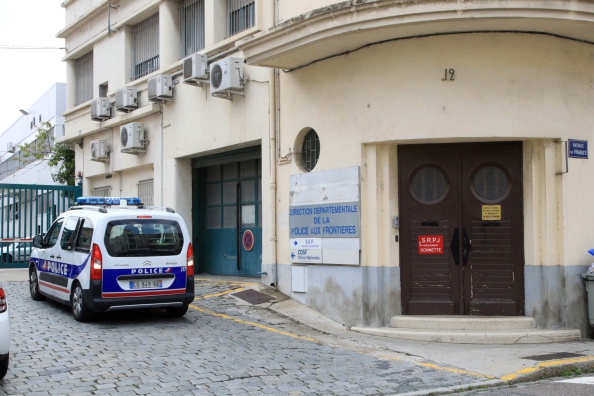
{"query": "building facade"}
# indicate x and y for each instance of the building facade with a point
(23, 208)
(369, 158)
(14, 168)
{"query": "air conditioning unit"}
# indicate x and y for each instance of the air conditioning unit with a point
(100, 109)
(160, 88)
(126, 99)
(226, 77)
(99, 151)
(132, 137)
(196, 69)
(10, 147)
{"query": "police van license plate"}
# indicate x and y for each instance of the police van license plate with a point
(148, 284)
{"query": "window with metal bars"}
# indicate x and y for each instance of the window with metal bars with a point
(191, 26)
(145, 38)
(145, 192)
(83, 79)
(310, 150)
(102, 191)
(241, 15)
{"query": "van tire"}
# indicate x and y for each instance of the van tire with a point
(4, 366)
(177, 312)
(34, 285)
(80, 311)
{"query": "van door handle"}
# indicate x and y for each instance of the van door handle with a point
(52, 256)
(59, 257)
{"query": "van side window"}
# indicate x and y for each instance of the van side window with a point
(67, 241)
(51, 237)
(85, 235)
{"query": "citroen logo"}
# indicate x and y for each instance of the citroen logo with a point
(147, 263)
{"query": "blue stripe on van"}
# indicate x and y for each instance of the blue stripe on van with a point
(57, 267)
(110, 277)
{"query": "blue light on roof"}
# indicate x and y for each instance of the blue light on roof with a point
(107, 200)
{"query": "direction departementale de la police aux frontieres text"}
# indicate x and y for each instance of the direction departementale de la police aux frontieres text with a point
(329, 220)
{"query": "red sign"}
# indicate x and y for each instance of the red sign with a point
(248, 240)
(430, 244)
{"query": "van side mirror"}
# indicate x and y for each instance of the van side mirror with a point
(38, 241)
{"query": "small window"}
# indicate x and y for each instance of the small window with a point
(429, 185)
(310, 150)
(145, 192)
(102, 191)
(145, 38)
(85, 236)
(490, 184)
(83, 80)
(67, 241)
(51, 237)
(241, 15)
(191, 26)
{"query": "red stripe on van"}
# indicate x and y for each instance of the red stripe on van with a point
(52, 286)
(144, 293)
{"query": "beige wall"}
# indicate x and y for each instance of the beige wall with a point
(532, 88)
(291, 9)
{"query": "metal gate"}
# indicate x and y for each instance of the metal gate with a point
(27, 210)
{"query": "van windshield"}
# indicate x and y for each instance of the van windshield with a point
(143, 237)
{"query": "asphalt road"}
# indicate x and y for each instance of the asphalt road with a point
(223, 346)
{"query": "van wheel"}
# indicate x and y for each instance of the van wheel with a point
(34, 285)
(4, 367)
(80, 311)
(177, 312)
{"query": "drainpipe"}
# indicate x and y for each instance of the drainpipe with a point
(109, 7)
(272, 154)
(275, 107)
(162, 177)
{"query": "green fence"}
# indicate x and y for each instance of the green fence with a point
(27, 210)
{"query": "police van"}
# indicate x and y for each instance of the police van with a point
(109, 254)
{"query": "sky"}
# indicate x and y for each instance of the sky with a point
(26, 74)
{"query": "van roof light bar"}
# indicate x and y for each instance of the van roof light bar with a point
(108, 201)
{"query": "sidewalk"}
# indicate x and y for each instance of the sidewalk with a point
(491, 365)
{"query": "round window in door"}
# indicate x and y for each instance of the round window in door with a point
(490, 184)
(429, 184)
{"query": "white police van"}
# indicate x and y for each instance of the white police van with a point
(109, 254)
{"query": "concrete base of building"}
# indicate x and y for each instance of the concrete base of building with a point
(471, 330)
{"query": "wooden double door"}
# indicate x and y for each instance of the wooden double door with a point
(461, 229)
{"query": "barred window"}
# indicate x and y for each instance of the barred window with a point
(145, 192)
(311, 150)
(83, 79)
(241, 15)
(191, 26)
(145, 38)
(102, 191)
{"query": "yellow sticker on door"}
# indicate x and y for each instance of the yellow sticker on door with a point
(491, 212)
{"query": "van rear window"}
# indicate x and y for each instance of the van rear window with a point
(143, 237)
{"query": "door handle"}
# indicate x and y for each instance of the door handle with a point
(52, 256)
(58, 257)
(455, 247)
(466, 247)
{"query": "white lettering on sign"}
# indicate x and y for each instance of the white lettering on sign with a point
(430, 244)
(306, 256)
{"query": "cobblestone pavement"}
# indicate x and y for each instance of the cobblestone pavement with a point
(223, 346)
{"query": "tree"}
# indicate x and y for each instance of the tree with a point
(59, 154)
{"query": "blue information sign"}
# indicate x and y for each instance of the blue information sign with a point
(578, 148)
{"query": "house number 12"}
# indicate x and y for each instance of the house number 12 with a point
(448, 75)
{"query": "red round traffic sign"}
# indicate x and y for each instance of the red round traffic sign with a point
(248, 240)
